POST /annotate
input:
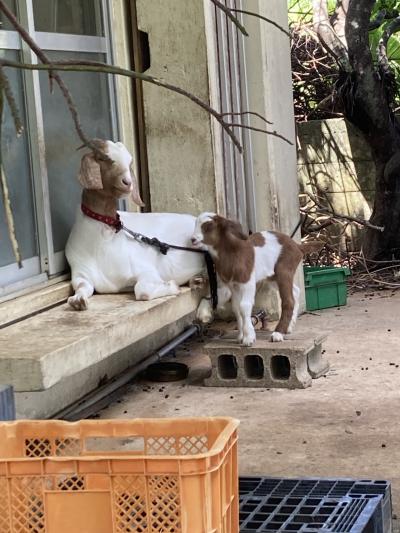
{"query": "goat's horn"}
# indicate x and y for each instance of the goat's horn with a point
(135, 194)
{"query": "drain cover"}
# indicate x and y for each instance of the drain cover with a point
(167, 371)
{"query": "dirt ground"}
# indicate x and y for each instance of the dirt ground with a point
(346, 425)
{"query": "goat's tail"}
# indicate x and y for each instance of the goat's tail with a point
(312, 246)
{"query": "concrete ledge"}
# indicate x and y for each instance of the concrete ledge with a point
(44, 350)
(33, 301)
(44, 404)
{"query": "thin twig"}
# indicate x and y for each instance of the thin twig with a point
(253, 113)
(253, 14)
(6, 87)
(6, 196)
(333, 214)
(375, 280)
(229, 14)
(95, 66)
(274, 133)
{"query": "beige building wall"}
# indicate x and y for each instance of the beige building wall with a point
(270, 93)
(179, 145)
(184, 148)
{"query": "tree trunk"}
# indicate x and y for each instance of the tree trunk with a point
(386, 212)
(367, 107)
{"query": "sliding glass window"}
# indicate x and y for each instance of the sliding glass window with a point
(42, 164)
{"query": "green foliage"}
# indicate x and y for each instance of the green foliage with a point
(300, 12)
(389, 5)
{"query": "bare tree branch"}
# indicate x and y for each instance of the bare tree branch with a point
(327, 34)
(356, 220)
(274, 133)
(390, 29)
(95, 66)
(230, 10)
(270, 21)
(103, 67)
(253, 113)
(339, 20)
(6, 196)
(68, 97)
(317, 208)
(228, 13)
(5, 86)
(53, 75)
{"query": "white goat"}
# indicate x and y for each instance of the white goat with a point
(107, 261)
(242, 261)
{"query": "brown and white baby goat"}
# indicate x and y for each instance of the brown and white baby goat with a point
(242, 261)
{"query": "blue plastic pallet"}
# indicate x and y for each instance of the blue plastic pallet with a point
(273, 514)
(261, 487)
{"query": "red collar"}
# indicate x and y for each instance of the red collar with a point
(113, 222)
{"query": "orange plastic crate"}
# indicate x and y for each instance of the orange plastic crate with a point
(108, 476)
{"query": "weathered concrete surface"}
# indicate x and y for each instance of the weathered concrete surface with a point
(39, 352)
(335, 161)
(179, 142)
(346, 425)
(27, 304)
(46, 403)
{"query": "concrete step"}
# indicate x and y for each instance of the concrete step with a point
(58, 355)
(290, 364)
(33, 301)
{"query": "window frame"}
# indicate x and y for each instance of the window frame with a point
(48, 262)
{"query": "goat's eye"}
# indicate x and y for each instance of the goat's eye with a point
(207, 227)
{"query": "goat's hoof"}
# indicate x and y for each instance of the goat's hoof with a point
(198, 283)
(173, 288)
(277, 337)
(204, 312)
(79, 303)
(248, 340)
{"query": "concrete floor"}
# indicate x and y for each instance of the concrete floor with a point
(346, 425)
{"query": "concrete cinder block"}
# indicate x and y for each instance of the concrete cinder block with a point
(291, 364)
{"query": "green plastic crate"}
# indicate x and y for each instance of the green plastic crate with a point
(325, 287)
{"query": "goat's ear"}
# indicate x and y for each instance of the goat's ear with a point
(90, 174)
(135, 194)
(236, 229)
